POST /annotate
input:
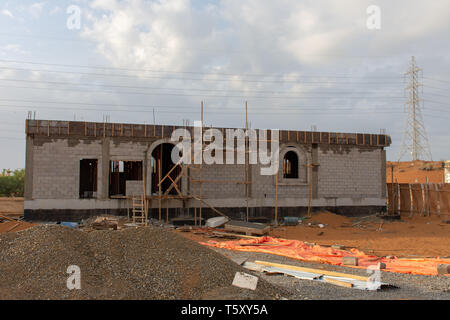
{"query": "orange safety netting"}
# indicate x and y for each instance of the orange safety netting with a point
(299, 250)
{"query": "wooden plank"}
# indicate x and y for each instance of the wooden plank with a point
(424, 202)
(276, 199)
(311, 270)
(212, 208)
(438, 204)
(411, 200)
(13, 227)
(339, 283)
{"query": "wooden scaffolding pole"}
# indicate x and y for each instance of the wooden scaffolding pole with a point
(246, 158)
(276, 199)
(201, 166)
(159, 188)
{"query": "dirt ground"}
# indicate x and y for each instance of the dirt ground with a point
(408, 237)
(11, 206)
(415, 172)
(14, 226)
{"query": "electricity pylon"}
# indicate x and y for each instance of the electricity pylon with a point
(414, 141)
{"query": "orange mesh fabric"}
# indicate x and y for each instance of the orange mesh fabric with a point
(299, 250)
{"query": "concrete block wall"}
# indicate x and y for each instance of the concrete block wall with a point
(56, 167)
(134, 188)
(222, 172)
(349, 172)
(353, 175)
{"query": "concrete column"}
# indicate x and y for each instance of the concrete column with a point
(383, 173)
(315, 171)
(28, 188)
(104, 187)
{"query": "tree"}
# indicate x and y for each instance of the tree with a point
(12, 183)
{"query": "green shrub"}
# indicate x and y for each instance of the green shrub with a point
(12, 183)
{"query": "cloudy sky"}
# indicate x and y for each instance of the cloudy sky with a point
(298, 64)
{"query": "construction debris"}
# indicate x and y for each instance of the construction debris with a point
(350, 261)
(381, 265)
(291, 221)
(443, 269)
(104, 223)
(249, 228)
(73, 225)
(216, 222)
(245, 280)
(335, 278)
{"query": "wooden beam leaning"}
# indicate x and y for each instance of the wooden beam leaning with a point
(210, 206)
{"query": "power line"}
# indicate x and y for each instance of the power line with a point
(186, 72)
(181, 89)
(196, 95)
(276, 111)
(189, 79)
(438, 80)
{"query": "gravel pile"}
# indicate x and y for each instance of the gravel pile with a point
(133, 263)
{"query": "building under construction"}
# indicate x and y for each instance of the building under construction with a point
(75, 170)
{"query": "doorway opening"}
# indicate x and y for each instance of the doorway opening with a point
(88, 178)
(163, 154)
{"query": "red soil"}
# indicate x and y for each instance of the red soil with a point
(415, 172)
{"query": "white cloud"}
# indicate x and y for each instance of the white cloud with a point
(12, 49)
(55, 10)
(7, 13)
(290, 38)
(36, 9)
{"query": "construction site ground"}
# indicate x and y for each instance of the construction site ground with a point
(405, 286)
(415, 236)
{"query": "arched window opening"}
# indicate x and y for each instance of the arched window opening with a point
(161, 155)
(290, 165)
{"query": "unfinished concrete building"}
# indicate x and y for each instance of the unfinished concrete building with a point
(75, 170)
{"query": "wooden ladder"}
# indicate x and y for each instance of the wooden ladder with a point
(139, 216)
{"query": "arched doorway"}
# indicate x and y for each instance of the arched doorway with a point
(162, 154)
(290, 165)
